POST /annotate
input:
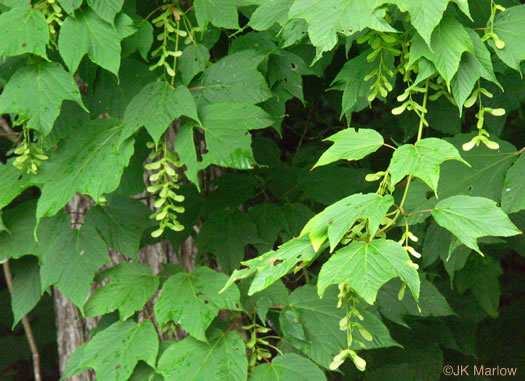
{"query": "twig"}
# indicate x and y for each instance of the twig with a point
(27, 326)
(389, 146)
(419, 212)
(521, 151)
(235, 323)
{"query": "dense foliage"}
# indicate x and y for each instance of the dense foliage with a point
(352, 174)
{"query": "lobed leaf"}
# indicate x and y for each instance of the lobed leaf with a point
(325, 19)
(269, 13)
(289, 367)
(131, 285)
(193, 300)
(422, 160)
(513, 194)
(366, 266)
(115, 351)
(106, 9)
(37, 91)
(450, 40)
(470, 218)
(70, 258)
(121, 223)
(351, 144)
(273, 265)
(509, 26)
(337, 219)
(223, 359)
(235, 79)
(311, 325)
(87, 162)
(23, 30)
(155, 107)
(87, 33)
(425, 14)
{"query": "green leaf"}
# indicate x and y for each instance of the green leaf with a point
(420, 358)
(273, 265)
(70, 5)
(2, 225)
(351, 144)
(470, 218)
(275, 295)
(430, 303)
(327, 18)
(422, 160)
(481, 276)
(156, 106)
(331, 183)
(131, 286)
(184, 145)
(87, 33)
(463, 6)
(351, 80)
(121, 223)
(285, 72)
(269, 13)
(226, 126)
(15, 4)
(17, 240)
(223, 359)
(307, 316)
(86, 162)
(14, 182)
(289, 367)
(26, 287)
(221, 13)
(425, 14)
(484, 178)
(111, 95)
(270, 220)
(141, 40)
(193, 300)
(335, 221)
(23, 30)
(366, 266)
(513, 195)
(509, 26)
(235, 78)
(106, 9)
(472, 67)
(193, 61)
(37, 91)
(450, 40)
(440, 243)
(114, 352)
(70, 258)
(225, 234)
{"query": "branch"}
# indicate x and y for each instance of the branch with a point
(235, 323)
(27, 326)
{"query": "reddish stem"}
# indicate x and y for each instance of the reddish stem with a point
(235, 323)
